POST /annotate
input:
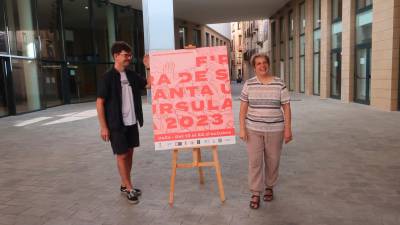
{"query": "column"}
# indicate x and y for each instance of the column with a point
(309, 47)
(158, 25)
(111, 28)
(325, 47)
(296, 41)
(385, 54)
(348, 46)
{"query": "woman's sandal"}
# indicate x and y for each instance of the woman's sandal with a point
(269, 195)
(255, 204)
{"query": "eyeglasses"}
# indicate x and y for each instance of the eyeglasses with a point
(126, 55)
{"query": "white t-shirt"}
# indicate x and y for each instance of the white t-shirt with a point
(128, 106)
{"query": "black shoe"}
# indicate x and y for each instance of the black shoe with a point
(124, 190)
(133, 197)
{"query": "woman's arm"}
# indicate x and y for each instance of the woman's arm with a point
(288, 122)
(242, 119)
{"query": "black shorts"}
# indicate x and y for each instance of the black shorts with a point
(124, 139)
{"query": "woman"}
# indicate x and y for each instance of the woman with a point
(265, 121)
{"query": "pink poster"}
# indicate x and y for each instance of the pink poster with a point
(191, 98)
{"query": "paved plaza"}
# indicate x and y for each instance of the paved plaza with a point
(343, 167)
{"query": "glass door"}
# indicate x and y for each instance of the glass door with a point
(82, 82)
(52, 74)
(4, 87)
(336, 78)
(363, 74)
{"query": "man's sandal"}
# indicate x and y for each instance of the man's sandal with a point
(269, 195)
(255, 204)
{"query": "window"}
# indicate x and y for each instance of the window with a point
(216, 41)
(336, 49)
(21, 28)
(273, 33)
(197, 38)
(182, 37)
(363, 4)
(316, 61)
(281, 30)
(212, 40)
(104, 30)
(336, 10)
(302, 27)
(26, 85)
(207, 39)
(291, 51)
(302, 24)
(317, 14)
(3, 30)
(49, 29)
(77, 32)
(362, 83)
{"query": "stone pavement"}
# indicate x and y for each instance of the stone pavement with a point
(343, 167)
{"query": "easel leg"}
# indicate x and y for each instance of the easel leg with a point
(218, 172)
(201, 174)
(173, 175)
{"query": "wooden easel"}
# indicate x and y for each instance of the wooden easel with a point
(197, 163)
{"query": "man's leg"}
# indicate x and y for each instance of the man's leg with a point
(124, 169)
(129, 163)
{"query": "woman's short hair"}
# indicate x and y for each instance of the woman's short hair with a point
(258, 55)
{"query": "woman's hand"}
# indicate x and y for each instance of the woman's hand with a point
(287, 135)
(243, 134)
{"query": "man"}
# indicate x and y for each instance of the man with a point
(119, 110)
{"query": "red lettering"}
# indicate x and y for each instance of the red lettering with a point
(199, 108)
(186, 121)
(222, 74)
(171, 123)
(164, 79)
(185, 77)
(202, 120)
(201, 60)
(159, 93)
(191, 90)
(182, 106)
(227, 104)
(217, 119)
(225, 88)
(206, 90)
(176, 92)
(210, 105)
(223, 59)
(201, 75)
(165, 108)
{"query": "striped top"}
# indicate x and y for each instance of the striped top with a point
(265, 100)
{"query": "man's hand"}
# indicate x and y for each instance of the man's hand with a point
(287, 134)
(243, 134)
(105, 134)
(146, 61)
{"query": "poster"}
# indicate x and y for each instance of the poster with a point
(191, 98)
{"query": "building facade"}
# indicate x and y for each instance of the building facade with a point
(248, 38)
(52, 52)
(342, 49)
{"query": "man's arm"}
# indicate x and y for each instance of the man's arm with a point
(104, 132)
(146, 62)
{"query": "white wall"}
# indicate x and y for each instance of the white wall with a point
(222, 28)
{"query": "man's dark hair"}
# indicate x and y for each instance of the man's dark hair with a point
(120, 46)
